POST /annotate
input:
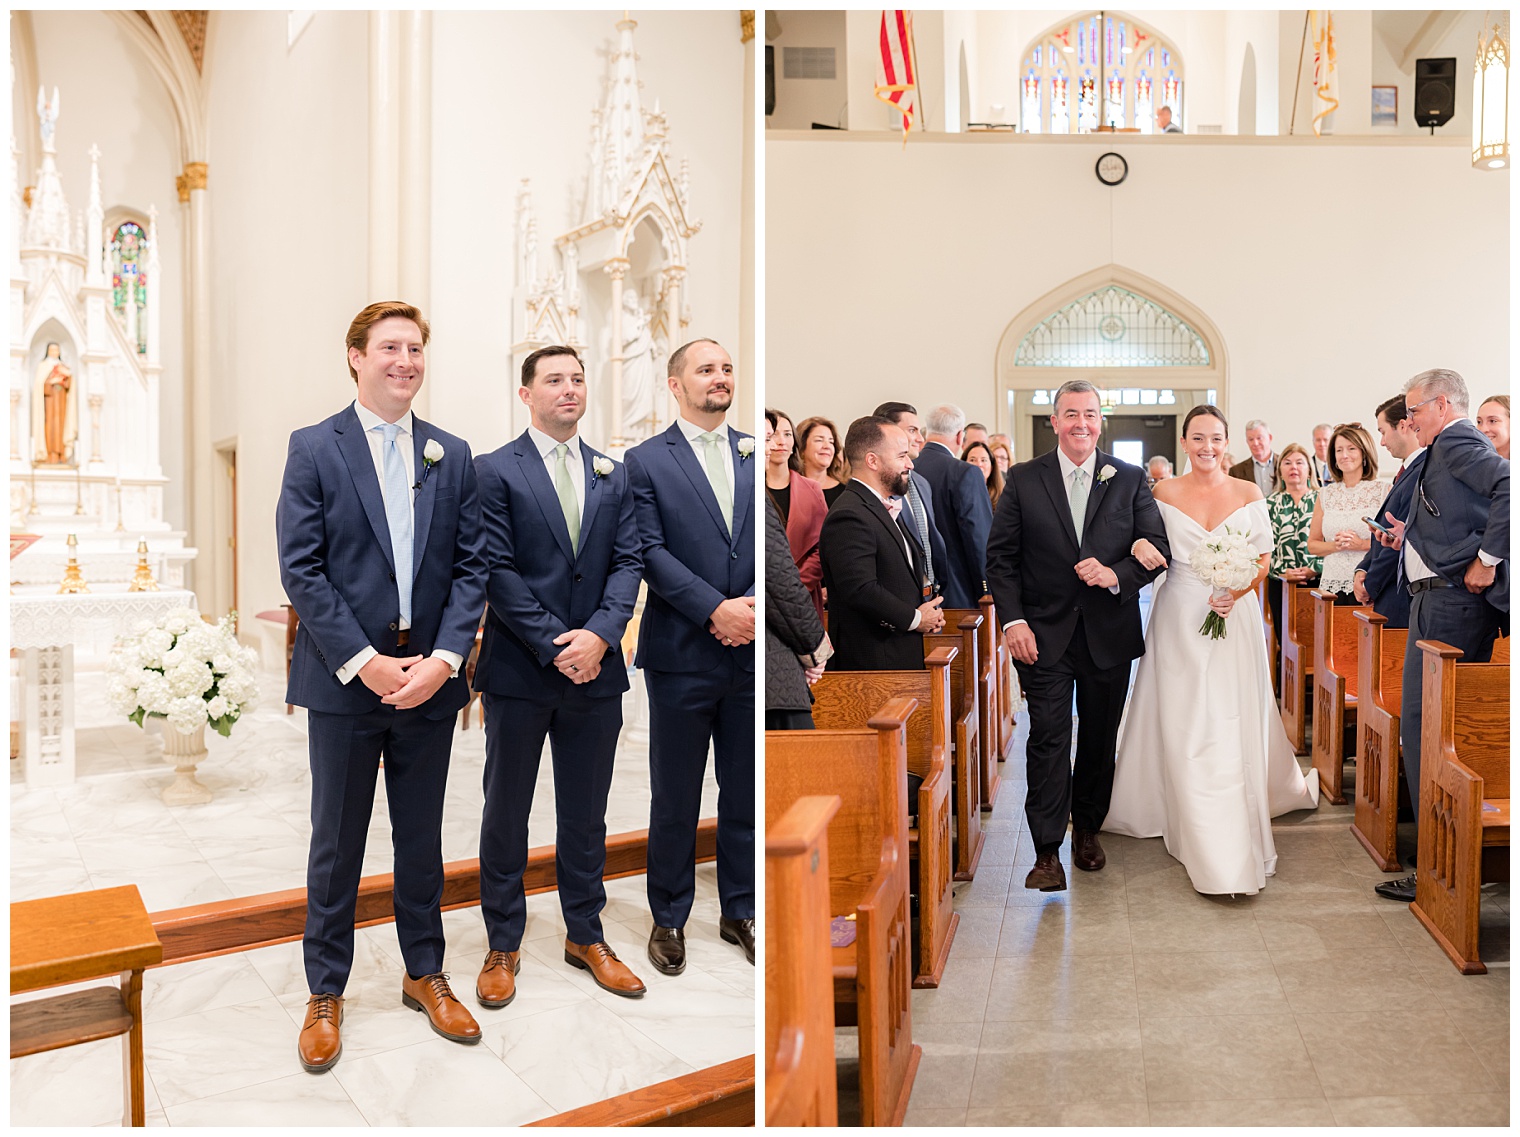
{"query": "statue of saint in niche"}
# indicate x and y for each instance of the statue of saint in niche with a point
(638, 369)
(54, 422)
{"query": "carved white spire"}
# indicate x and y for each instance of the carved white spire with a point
(152, 288)
(18, 210)
(619, 128)
(94, 250)
(527, 237)
(47, 225)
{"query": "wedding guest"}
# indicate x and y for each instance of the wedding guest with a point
(383, 557)
(1322, 453)
(1377, 580)
(979, 454)
(1337, 531)
(820, 458)
(1493, 420)
(1002, 451)
(962, 508)
(976, 432)
(919, 500)
(799, 501)
(1261, 466)
(1158, 469)
(796, 646)
(1291, 509)
(1164, 123)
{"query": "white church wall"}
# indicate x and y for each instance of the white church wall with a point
(1299, 253)
(802, 102)
(111, 97)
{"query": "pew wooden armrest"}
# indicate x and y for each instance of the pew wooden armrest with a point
(971, 734)
(1380, 681)
(1297, 642)
(1335, 689)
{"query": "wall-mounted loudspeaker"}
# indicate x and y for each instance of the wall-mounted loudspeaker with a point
(1435, 91)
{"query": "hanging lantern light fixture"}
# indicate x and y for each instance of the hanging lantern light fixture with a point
(1491, 97)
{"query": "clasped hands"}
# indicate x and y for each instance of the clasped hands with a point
(405, 682)
(732, 622)
(581, 661)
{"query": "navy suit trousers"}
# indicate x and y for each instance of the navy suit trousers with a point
(345, 760)
(686, 712)
(583, 735)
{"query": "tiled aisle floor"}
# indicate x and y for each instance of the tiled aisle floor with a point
(221, 1033)
(1132, 1000)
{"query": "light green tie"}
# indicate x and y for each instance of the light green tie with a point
(717, 474)
(564, 488)
(1078, 501)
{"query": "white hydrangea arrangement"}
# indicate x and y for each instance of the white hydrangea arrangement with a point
(184, 670)
(1226, 562)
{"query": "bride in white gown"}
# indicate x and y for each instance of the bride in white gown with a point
(1203, 760)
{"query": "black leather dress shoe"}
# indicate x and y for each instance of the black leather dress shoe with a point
(741, 932)
(1086, 853)
(1401, 890)
(667, 950)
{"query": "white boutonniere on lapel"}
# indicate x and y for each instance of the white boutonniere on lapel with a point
(746, 448)
(600, 468)
(1106, 473)
(432, 454)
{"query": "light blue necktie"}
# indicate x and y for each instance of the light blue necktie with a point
(1078, 500)
(398, 514)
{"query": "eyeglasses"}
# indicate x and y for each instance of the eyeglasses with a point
(1410, 408)
(1429, 505)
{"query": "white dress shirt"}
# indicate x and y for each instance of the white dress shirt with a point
(573, 461)
(907, 549)
(693, 434)
(371, 422)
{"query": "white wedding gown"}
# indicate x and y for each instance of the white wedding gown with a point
(1203, 759)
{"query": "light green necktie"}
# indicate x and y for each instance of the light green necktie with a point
(1078, 500)
(564, 488)
(717, 474)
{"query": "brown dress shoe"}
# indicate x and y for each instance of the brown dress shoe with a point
(497, 985)
(741, 932)
(1087, 854)
(320, 1042)
(1047, 874)
(610, 972)
(667, 950)
(446, 1014)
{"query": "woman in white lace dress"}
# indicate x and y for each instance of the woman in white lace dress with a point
(1337, 531)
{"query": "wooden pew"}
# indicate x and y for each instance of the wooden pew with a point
(1464, 796)
(1269, 624)
(719, 1095)
(1297, 662)
(1003, 684)
(1335, 686)
(799, 982)
(868, 878)
(968, 696)
(1380, 692)
(846, 700)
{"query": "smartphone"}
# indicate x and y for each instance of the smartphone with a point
(1379, 527)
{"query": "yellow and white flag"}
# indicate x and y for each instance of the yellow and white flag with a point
(1327, 84)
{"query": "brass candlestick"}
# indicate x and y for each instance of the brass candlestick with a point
(73, 580)
(78, 494)
(142, 579)
(120, 526)
(31, 510)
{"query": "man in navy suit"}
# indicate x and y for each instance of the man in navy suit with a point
(961, 507)
(919, 500)
(1454, 541)
(383, 558)
(564, 567)
(1376, 580)
(694, 487)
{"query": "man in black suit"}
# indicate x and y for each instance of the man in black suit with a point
(1067, 586)
(1454, 541)
(873, 566)
(962, 508)
(1376, 580)
(919, 500)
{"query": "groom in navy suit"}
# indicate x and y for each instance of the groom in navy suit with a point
(694, 486)
(563, 551)
(383, 558)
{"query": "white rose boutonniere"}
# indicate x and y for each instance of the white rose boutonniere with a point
(600, 468)
(746, 447)
(432, 454)
(1106, 473)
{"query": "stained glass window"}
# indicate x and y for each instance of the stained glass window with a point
(129, 262)
(1107, 67)
(1112, 327)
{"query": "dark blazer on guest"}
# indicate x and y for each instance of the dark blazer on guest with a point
(1467, 481)
(1390, 595)
(1033, 551)
(537, 588)
(874, 589)
(963, 512)
(338, 569)
(1246, 471)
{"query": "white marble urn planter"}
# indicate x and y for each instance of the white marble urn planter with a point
(185, 751)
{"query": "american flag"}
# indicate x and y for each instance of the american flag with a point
(1327, 84)
(896, 84)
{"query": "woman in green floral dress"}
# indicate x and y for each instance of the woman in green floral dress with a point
(1291, 508)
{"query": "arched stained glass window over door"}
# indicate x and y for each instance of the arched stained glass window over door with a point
(1100, 68)
(129, 283)
(1112, 327)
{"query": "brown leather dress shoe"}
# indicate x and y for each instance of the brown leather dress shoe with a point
(667, 950)
(497, 985)
(1047, 874)
(741, 932)
(1087, 854)
(446, 1014)
(320, 1042)
(610, 972)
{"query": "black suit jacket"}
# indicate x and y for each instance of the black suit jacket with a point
(1466, 480)
(1390, 595)
(873, 590)
(963, 512)
(1033, 553)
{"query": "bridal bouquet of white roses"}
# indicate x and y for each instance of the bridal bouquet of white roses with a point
(184, 670)
(1225, 563)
